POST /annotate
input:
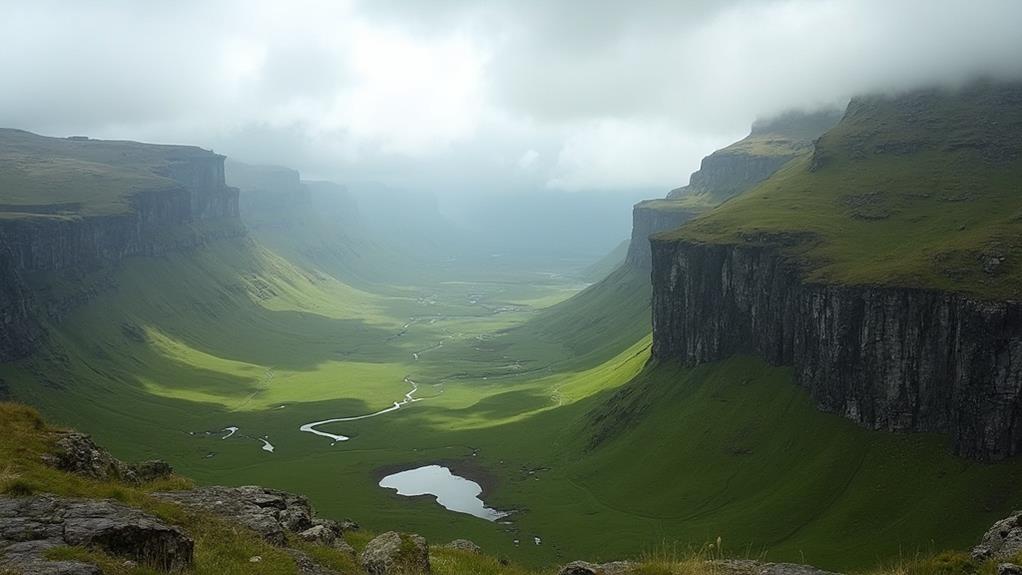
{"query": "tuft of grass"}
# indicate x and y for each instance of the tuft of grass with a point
(327, 556)
(454, 562)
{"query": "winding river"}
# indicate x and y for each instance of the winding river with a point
(311, 427)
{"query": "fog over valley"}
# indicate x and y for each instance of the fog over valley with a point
(511, 287)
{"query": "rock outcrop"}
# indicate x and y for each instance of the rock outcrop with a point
(77, 453)
(650, 217)
(1002, 541)
(269, 512)
(887, 358)
(32, 526)
(394, 553)
(725, 174)
(136, 200)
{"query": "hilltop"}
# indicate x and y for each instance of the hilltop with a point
(919, 190)
(82, 176)
(727, 173)
(771, 143)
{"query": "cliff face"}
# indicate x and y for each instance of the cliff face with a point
(167, 198)
(17, 332)
(725, 174)
(203, 178)
(887, 358)
(648, 218)
(770, 144)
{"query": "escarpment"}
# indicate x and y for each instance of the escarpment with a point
(854, 268)
(648, 218)
(770, 144)
(887, 358)
(79, 204)
(727, 173)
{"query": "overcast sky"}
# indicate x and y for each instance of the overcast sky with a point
(453, 96)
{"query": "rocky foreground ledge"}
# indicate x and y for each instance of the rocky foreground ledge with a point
(34, 528)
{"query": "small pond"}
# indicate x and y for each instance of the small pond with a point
(455, 493)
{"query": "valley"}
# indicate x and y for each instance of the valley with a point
(522, 383)
(826, 389)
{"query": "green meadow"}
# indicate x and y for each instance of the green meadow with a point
(538, 389)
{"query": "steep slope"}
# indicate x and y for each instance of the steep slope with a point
(728, 172)
(884, 268)
(772, 143)
(734, 449)
(653, 216)
(72, 206)
(607, 264)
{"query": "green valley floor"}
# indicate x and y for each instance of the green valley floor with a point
(527, 382)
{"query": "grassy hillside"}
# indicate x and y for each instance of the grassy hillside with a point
(607, 264)
(735, 449)
(67, 176)
(528, 384)
(732, 170)
(919, 190)
(520, 394)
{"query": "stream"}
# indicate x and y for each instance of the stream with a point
(311, 427)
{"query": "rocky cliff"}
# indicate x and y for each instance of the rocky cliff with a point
(890, 359)
(770, 144)
(17, 332)
(82, 204)
(648, 218)
(727, 173)
(890, 310)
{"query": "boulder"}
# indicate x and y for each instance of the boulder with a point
(319, 534)
(30, 526)
(579, 568)
(77, 453)
(1009, 569)
(330, 524)
(396, 553)
(464, 545)
(586, 568)
(268, 512)
(152, 470)
(1002, 541)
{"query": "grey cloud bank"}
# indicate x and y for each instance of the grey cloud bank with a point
(477, 97)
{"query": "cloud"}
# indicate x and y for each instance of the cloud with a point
(458, 96)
